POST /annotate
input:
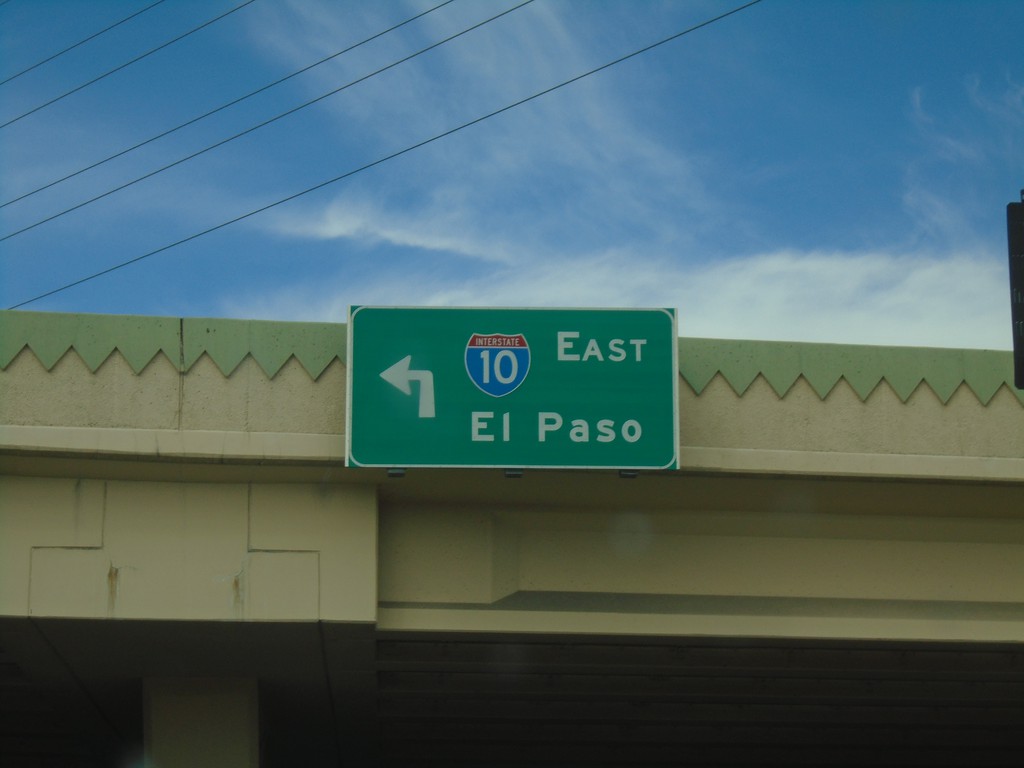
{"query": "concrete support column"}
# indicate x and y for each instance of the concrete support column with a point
(201, 723)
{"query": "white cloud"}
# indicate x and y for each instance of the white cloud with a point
(869, 298)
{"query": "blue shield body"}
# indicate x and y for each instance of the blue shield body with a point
(497, 363)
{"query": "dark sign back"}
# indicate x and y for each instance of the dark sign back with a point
(1015, 239)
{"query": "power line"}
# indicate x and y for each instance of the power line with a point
(224, 106)
(126, 64)
(80, 42)
(256, 127)
(386, 158)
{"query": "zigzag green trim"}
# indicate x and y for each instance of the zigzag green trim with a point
(94, 337)
(315, 345)
(863, 367)
(183, 341)
(271, 344)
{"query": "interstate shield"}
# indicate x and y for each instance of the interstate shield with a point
(497, 363)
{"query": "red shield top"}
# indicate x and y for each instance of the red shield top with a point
(497, 340)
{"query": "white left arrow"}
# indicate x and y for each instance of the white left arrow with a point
(400, 376)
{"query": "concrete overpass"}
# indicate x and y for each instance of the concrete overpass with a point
(189, 575)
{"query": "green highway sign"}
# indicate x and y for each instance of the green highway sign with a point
(512, 388)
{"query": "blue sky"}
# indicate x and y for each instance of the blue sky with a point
(809, 171)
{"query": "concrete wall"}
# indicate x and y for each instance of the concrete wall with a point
(203, 399)
(768, 566)
(842, 422)
(159, 397)
(187, 550)
(173, 492)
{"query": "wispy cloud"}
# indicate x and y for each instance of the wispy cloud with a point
(575, 202)
(1005, 107)
(432, 226)
(563, 161)
(939, 135)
